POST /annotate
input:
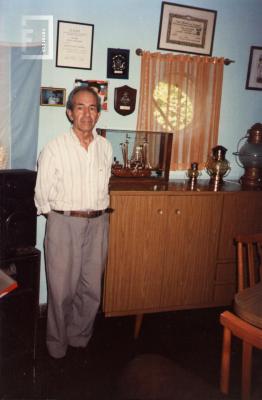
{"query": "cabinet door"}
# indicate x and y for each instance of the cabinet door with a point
(136, 250)
(190, 250)
(242, 213)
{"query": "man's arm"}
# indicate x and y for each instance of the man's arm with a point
(44, 181)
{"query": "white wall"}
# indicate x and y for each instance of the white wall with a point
(132, 24)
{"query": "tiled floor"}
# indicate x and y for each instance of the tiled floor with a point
(176, 357)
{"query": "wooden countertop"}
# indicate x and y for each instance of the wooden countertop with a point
(181, 186)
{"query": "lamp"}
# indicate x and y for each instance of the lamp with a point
(193, 173)
(217, 166)
(250, 157)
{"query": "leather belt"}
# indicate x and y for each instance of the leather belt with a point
(84, 214)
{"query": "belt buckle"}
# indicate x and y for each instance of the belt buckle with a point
(98, 213)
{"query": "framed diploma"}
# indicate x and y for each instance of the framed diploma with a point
(74, 45)
(186, 29)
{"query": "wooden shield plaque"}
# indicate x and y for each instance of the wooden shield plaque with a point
(125, 100)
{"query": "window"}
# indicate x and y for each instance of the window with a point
(182, 94)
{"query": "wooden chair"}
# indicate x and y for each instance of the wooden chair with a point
(246, 321)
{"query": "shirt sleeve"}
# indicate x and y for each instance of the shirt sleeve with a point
(109, 159)
(44, 181)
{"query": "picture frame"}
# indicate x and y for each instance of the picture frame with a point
(100, 86)
(74, 47)
(117, 63)
(254, 71)
(54, 97)
(186, 29)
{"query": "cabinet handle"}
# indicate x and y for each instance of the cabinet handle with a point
(178, 212)
(159, 211)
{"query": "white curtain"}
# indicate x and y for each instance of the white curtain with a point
(20, 81)
(4, 108)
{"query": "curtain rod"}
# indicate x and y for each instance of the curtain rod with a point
(227, 61)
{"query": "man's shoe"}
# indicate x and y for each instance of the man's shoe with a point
(57, 365)
(76, 356)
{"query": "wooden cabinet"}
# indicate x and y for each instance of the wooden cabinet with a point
(133, 274)
(189, 239)
(173, 249)
(241, 213)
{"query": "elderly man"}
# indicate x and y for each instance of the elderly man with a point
(72, 192)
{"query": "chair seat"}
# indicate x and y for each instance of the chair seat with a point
(248, 305)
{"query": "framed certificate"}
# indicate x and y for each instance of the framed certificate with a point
(186, 29)
(74, 45)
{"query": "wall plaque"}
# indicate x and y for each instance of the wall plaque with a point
(125, 100)
(117, 63)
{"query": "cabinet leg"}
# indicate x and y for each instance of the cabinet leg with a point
(138, 323)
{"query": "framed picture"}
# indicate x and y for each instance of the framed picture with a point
(254, 72)
(117, 63)
(186, 29)
(50, 96)
(101, 87)
(74, 45)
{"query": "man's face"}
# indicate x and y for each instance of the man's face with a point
(84, 115)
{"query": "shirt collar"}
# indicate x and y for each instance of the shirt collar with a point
(75, 138)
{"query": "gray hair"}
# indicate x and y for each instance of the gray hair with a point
(70, 103)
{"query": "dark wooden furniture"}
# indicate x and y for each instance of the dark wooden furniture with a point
(172, 248)
(246, 322)
(21, 260)
(17, 211)
(19, 308)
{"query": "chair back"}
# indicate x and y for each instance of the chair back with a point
(249, 260)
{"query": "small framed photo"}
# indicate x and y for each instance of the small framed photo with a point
(101, 87)
(50, 96)
(117, 63)
(74, 45)
(186, 29)
(254, 72)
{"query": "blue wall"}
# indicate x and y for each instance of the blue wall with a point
(132, 24)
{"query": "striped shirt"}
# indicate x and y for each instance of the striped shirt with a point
(69, 177)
